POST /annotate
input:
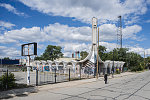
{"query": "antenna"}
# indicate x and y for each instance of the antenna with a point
(119, 32)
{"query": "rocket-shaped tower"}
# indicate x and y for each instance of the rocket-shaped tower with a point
(91, 59)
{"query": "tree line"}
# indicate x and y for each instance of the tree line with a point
(133, 61)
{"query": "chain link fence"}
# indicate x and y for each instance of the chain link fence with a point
(45, 75)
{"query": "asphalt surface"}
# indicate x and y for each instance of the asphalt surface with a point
(129, 87)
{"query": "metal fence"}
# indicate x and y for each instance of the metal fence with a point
(61, 75)
(51, 76)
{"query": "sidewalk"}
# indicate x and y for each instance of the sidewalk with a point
(26, 91)
(79, 82)
(17, 92)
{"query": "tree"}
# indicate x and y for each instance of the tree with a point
(38, 58)
(6, 58)
(147, 60)
(102, 52)
(132, 60)
(135, 61)
(122, 53)
(83, 54)
(51, 53)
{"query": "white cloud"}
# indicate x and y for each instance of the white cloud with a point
(131, 31)
(33, 34)
(147, 52)
(135, 6)
(6, 24)
(12, 9)
(58, 33)
(148, 1)
(76, 47)
(130, 21)
(147, 21)
(9, 52)
(53, 32)
(109, 46)
(140, 51)
(84, 10)
(108, 32)
(136, 49)
(69, 48)
(70, 38)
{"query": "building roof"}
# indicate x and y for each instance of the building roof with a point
(65, 59)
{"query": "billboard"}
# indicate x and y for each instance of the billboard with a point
(29, 49)
(9, 62)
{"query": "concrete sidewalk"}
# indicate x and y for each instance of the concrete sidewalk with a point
(26, 91)
(17, 92)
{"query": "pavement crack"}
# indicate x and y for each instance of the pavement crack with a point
(137, 90)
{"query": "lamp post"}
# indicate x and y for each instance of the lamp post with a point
(144, 59)
(97, 54)
(1, 62)
(1, 66)
(113, 65)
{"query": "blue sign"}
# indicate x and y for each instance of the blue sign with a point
(46, 68)
(9, 62)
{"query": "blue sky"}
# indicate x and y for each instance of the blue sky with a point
(67, 23)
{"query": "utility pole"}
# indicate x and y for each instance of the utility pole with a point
(97, 54)
(144, 58)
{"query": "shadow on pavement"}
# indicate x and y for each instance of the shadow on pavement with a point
(17, 92)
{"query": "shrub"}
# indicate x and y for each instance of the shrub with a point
(7, 82)
(133, 69)
(137, 68)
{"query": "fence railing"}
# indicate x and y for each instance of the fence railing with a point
(51, 76)
(40, 77)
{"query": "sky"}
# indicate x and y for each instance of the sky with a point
(67, 23)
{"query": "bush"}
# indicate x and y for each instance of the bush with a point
(137, 68)
(7, 82)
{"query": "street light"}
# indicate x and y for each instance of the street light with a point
(97, 54)
(113, 65)
(1, 62)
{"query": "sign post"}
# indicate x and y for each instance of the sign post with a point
(28, 71)
(25, 52)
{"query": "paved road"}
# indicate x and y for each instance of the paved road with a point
(131, 87)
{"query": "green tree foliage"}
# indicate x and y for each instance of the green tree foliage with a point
(83, 54)
(6, 58)
(147, 60)
(102, 52)
(51, 53)
(133, 61)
